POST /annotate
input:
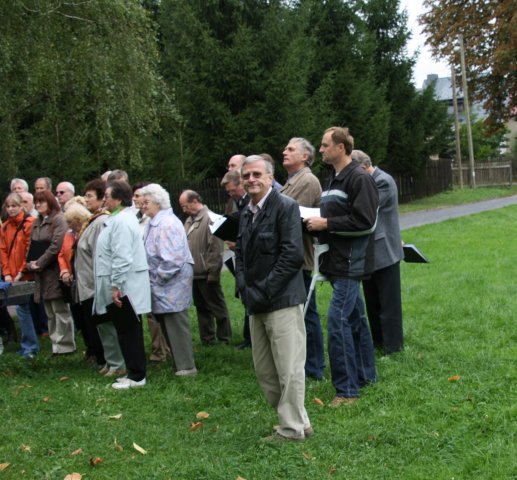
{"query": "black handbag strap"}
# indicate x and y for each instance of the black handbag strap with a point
(25, 217)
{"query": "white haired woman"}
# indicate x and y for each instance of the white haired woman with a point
(171, 274)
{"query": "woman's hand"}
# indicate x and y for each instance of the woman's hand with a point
(33, 266)
(116, 295)
(18, 277)
(8, 278)
(67, 278)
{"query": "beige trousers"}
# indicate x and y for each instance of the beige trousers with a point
(279, 347)
(60, 326)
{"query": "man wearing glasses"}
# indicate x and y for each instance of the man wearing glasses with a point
(269, 259)
(64, 192)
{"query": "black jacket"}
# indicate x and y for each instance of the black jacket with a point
(269, 256)
(350, 205)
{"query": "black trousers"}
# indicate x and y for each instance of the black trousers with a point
(384, 308)
(131, 341)
(91, 334)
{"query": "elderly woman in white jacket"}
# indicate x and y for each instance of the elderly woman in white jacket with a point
(121, 270)
(171, 274)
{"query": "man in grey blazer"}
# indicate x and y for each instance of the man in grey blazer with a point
(382, 289)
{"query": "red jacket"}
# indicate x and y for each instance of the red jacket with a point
(14, 263)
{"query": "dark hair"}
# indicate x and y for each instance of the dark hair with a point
(139, 185)
(97, 185)
(121, 190)
(46, 196)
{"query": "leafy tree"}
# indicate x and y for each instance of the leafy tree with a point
(489, 30)
(78, 87)
(487, 144)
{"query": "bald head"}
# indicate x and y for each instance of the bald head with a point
(235, 162)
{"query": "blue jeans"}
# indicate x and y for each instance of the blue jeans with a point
(29, 342)
(351, 355)
(315, 360)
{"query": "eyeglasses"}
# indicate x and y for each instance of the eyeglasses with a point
(60, 192)
(247, 175)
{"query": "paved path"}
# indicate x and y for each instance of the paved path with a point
(424, 217)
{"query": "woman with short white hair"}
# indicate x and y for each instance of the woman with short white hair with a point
(171, 275)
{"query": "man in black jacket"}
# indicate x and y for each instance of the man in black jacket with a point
(348, 218)
(269, 258)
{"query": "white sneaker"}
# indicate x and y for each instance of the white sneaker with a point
(128, 384)
(122, 379)
(186, 373)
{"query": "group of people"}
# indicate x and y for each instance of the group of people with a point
(122, 255)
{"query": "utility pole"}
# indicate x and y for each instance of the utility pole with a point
(467, 114)
(456, 124)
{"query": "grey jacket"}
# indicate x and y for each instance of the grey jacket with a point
(84, 256)
(388, 244)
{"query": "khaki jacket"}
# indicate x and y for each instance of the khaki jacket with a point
(206, 249)
(305, 188)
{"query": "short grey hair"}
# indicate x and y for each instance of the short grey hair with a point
(157, 194)
(69, 186)
(305, 147)
(362, 158)
(25, 185)
(255, 158)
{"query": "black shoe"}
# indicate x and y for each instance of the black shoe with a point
(243, 345)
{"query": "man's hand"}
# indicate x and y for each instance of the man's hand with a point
(116, 295)
(316, 224)
(230, 245)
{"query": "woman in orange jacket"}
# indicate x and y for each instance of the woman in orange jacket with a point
(14, 243)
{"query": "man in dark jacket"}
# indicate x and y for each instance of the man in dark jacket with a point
(269, 258)
(348, 218)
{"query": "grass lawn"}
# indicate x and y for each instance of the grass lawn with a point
(444, 408)
(458, 196)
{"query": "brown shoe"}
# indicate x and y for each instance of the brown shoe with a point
(276, 437)
(308, 431)
(338, 401)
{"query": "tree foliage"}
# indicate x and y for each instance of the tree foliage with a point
(78, 87)
(489, 29)
(170, 89)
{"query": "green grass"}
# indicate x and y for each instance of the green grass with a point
(414, 424)
(457, 196)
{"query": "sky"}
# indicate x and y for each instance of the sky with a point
(425, 64)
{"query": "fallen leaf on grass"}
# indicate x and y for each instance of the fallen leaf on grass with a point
(332, 470)
(240, 478)
(116, 445)
(195, 426)
(307, 456)
(73, 476)
(3, 466)
(64, 379)
(95, 461)
(76, 452)
(45, 399)
(454, 378)
(25, 448)
(138, 448)
(202, 415)
(319, 402)
(118, 416)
